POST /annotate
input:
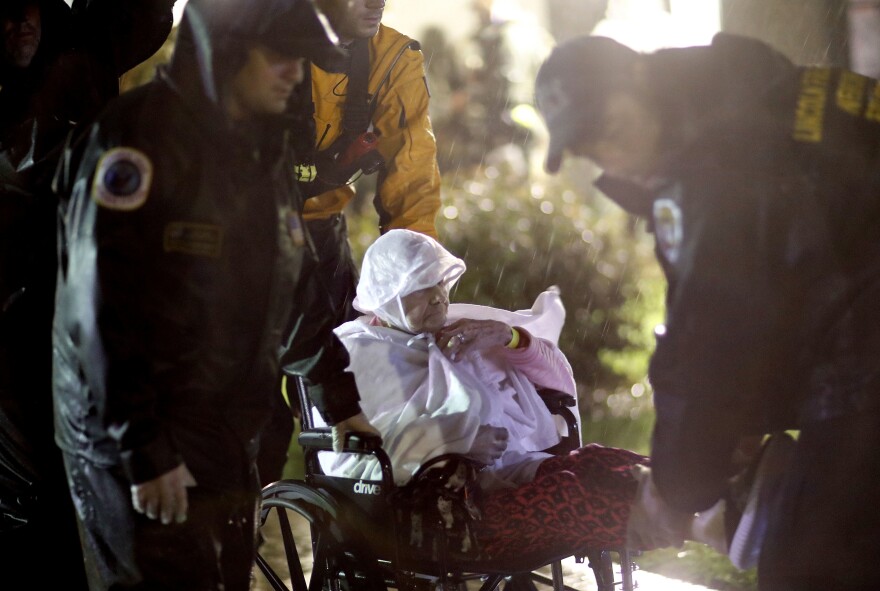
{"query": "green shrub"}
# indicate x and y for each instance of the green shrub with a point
(700, 565)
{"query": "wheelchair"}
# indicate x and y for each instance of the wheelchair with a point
(355, 535)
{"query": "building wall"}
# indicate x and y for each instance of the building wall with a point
(454, 17)
(644, 25)
(864, 37)
(807, 31)
(569, 18)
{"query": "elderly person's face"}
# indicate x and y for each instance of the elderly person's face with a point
(21, 34)
(426, 309)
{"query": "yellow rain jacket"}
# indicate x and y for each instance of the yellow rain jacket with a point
(408, 190)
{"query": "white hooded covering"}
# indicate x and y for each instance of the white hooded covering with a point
(423, 403)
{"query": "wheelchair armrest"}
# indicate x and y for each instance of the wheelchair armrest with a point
(321, 439)
(561, 404)
(556, 400)
(355, 442)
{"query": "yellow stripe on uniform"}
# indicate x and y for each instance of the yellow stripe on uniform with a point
(810, 116)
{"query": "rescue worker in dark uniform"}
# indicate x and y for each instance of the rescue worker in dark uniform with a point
(182, 242)
(58, 67)
(759, 180)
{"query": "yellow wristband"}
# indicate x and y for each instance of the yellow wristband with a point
(514, 339)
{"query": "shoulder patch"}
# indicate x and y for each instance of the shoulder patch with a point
(122, 179)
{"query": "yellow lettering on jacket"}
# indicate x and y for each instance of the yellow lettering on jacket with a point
(850, 92)
(810, 115)
(193, 238)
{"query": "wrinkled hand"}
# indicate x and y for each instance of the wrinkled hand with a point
(164, 497)
(652, 522)
(489, 444)
(358, 422)
(466, 335)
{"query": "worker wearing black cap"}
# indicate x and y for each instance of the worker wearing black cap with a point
(759, 181)
(182, 239)
(59, 65)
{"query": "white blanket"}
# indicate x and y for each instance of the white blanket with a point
(425, 405)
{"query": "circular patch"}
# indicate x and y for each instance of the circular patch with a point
(122, 179)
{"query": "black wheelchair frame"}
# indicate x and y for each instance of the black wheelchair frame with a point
(355, 544)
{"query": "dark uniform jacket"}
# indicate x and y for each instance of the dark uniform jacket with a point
(766, 226)
(74, 73)
(184, 241)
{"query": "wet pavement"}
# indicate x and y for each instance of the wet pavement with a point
(577, 576)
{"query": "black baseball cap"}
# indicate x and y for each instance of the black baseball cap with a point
(305, 31)
(14, 8)
(571, 87)
(291, 27)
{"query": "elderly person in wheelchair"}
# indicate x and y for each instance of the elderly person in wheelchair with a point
(437, 378)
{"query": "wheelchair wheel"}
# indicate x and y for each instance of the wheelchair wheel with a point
(303, 549)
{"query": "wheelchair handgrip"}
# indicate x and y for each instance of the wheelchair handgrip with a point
(355, 441)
